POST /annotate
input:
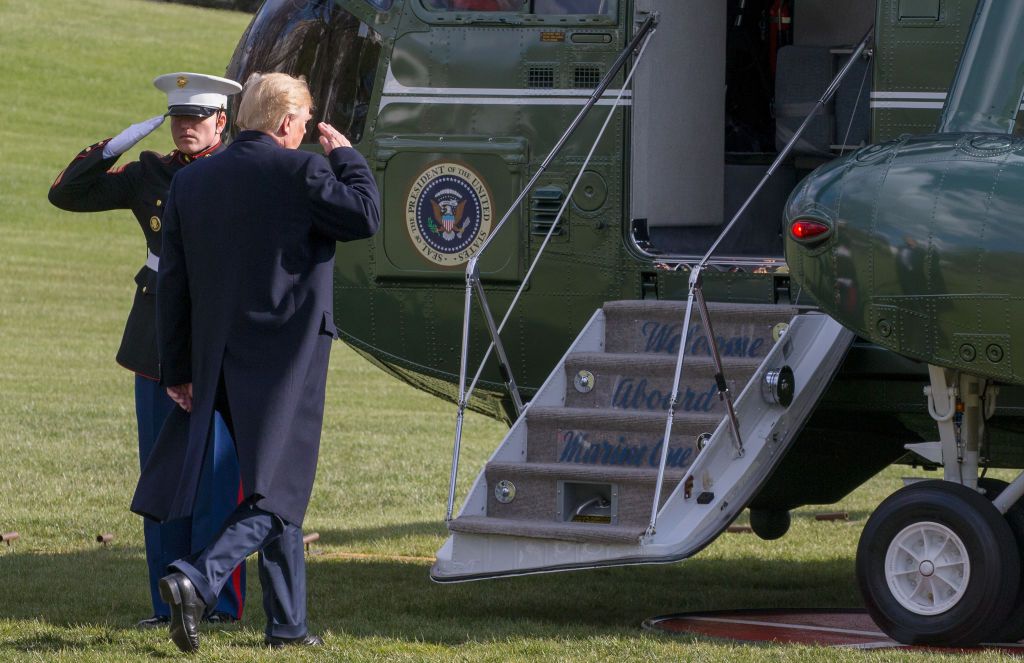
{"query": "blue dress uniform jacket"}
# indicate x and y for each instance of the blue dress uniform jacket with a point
(246, 296)
(89, 185)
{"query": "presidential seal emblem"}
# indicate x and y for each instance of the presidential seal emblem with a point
(448, 213)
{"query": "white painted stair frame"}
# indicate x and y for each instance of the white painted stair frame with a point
(813, 347)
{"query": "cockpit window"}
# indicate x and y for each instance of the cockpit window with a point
(334, 50)
(522, 6)
(382, 5)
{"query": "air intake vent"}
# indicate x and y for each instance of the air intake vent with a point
(586, 76)
(544, 205)
(541, 77)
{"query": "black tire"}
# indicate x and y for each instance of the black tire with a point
(770, 524)
(1013, 628)
(989, 551)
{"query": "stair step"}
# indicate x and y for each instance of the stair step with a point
(545, 492)
(577, 532)
(655, 327)
(617, 438)
(635, 382)
(640, 422)
(570, 472)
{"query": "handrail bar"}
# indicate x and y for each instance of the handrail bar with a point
(473, 283)
(695, 290)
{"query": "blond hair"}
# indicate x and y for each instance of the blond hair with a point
(268, 98)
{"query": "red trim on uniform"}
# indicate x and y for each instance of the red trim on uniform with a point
(207, 151)
(189, 158)
(60, 176)
(236, 575)
(141, 375)
(80, 155)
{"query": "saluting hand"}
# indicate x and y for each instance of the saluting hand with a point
(120, 143)
(331, 138)
(182, 395)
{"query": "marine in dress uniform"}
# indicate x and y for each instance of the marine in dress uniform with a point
(244, 325)
(91, 183)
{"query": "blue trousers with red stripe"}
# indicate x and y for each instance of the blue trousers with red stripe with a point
(220, 492)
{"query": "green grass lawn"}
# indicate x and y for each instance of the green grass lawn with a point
(72, 73)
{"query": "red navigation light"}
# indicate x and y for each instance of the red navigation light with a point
(809, 229)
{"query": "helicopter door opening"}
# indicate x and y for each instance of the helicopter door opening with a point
(715, 103)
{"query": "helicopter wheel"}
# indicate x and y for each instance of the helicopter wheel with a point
(937, 564)
(770, 524)
(1013, 627)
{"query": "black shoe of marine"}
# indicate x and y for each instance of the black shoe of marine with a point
(156, 621)
(219, 617)
(186, 610)
(308, 640)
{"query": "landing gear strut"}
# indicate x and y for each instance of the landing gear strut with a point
(939, 562)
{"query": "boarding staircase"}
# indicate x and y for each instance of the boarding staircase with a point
(572, 485)
(583, 479)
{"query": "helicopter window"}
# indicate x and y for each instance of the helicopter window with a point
(570, 6)
(522, 6)
(382, 5)
(477, 5)
(334, 50)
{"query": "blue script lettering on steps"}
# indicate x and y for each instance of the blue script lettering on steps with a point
(634, 394)
(659, 337)
(578, 448)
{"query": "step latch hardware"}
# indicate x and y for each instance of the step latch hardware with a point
(584, 381)
(778, 386)
(504, 491)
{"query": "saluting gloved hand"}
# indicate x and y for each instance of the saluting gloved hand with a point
(120, 143)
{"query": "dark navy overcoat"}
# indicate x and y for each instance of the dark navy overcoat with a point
(245, 291)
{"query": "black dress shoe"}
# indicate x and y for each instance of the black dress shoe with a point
(308, 640)
(186, 610)
(156, 621)
(218, 617)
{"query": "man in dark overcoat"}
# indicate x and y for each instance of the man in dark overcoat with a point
(245, 324)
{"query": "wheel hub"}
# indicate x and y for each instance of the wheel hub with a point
(927, 568)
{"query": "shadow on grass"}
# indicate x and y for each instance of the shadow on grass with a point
(350, 537)
(372, 598)
(400, 601)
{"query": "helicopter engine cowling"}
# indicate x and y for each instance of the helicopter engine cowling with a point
(917, 244)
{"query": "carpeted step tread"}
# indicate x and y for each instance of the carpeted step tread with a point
(664, 307)
(651, 364)
(614, 419)
(574, 472)
(576, 532)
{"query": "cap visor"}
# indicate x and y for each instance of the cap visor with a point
(194, 111)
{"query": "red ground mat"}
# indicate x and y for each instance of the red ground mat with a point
(834, 628)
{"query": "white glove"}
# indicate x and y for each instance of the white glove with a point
(120, 143)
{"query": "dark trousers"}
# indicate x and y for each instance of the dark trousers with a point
(282, 565)
(282, 561)
(217, 499)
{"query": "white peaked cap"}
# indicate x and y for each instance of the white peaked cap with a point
(195, 91)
